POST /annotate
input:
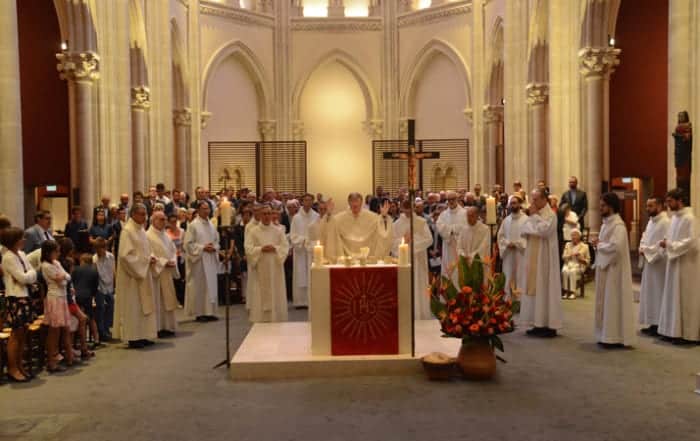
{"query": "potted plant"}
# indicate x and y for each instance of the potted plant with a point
(477, 312)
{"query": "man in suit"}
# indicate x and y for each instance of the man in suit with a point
(38, 233)
(576, 199)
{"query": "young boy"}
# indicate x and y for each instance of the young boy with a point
(105, 262)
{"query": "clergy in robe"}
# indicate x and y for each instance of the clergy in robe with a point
(266, 250)
(653, 264)
(475, 238)
(164, 272)
(422, 240)
(135, 310)
(614, 321)
(449, 225)
(318, 231)
(511, 246)
(251, 287)
(680, 306)
(302, 251)
(356, 228)
(540, 306)
(201, 247)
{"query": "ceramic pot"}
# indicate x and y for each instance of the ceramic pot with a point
(477, 360)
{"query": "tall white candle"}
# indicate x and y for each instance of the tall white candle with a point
(318, 254)
(490, 210)
(226, 211)
(404, 254)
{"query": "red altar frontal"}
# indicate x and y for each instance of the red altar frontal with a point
(360, 310)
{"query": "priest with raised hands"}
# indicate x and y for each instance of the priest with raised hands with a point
(202, 247)
(423, 239)
(266, 249)
(653, 263)
(135, 311)
(164, 272)
(357, 228)
(318, 231)
(540, 306)
(511, 245)
(302, 251)
(449, 225)
(680, 306)
(615, 325)
(474, 238)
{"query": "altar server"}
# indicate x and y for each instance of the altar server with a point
(302, 251)
(653, 262)
(512, 246)
(474, 238)
(164, 271)
(201, 248)
(449, 225)
(266, 251)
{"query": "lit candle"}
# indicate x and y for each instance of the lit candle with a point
(491, 210)
(403, 253)
(318, 254)
(226, 211)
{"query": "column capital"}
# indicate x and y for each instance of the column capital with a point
(374, 127)
(598, 61)
(204, 118)
(182, 117)
(537, 93)
(298, 130)
(493, 114)
(469, 115)
(268, 129)
(78, 66)
(141, 97)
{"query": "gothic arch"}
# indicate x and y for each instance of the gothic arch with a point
(538, 45)
(599, 19)
(494, 88)
(244, 55)
(180, 75)
(77, 24)
(422, 59)
(347, 61)
(137, 44)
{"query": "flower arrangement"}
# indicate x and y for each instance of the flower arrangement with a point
(475, 310)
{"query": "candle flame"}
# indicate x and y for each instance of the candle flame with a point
(403, 241)
(318, 243)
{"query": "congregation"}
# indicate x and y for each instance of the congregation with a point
(124, 277)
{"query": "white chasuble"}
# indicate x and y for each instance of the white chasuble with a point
(165, 252)
(680, 306)
(201, 267)
(135, 317)
(302, 254)
(449, 225)
(423, 239)
(475, 239)
(653, 263)
(614, 303)
(348, 233)
(541, 299)
(511, 246)
(270, 301)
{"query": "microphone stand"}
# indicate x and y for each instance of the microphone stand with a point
(225, 232)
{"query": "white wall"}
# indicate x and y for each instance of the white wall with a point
(339, 150)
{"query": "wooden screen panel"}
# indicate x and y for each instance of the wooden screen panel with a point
(451, 170)
(282, 166)
(392, 174)
(233, 163)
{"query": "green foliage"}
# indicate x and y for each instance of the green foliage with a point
(471, 275)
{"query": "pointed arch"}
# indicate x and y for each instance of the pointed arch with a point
(422, 59)
(251, 63)
(180, 70)
(138, 45)
(599, 20)
(494, 88)
(538, 45)
(347, 61)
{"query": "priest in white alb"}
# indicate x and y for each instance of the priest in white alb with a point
(266, 250)
(422, 239)
(251, 285)
(135, 313)
(318, 231)
(680, 306)
(357, 228)
(511, 245)
(302, 251)
(164, 271)
(475, 238)
(653, 263)
(202, 264)
(449, 225)
(540, 304)
(614, 321)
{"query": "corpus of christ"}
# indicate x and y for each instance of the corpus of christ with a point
(349, 219)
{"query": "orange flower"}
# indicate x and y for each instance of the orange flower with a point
(486, 309)
(451, 302)
(474, 328)
(493, 321)
(466, 290)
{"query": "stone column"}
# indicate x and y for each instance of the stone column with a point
(196, 155)
(493, 118)
(11, 177)
(478, 151)
(336, 8)
(537, 96)
(182, 119)
(596, 66)
(81, 69)
(140, 105)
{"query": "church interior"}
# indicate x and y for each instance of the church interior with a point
(102, 98)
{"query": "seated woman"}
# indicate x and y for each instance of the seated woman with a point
(576, 260)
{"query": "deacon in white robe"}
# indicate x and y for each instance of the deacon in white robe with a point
(357, 228)
(422, 240)
(302, 251)
(266, 251)
(614, 319)
(511, 246)
(251, 287)
(680, 306)
(164, 271)
(201, 247)
(449, 225)
(653, 262)
(540, 306)
(135, 313)
(475, 238)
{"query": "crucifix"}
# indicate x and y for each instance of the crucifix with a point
(413, 157)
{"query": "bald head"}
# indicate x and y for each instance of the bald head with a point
(158, 220)
(472, 215)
